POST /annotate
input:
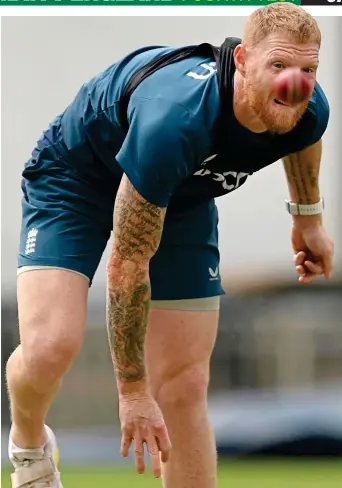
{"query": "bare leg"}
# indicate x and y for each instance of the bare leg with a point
(178, 351)
(52, 316)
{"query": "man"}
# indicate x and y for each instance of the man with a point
(185, 136)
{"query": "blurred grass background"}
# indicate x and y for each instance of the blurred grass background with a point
(237, 474)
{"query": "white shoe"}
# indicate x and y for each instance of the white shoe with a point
(35, 468)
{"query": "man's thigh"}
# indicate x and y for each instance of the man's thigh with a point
(186, 265)
(62, 225)
(180, 343)
(186, 289)
(63, 236)
(52, 307)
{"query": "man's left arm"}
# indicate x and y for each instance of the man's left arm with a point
(302, 174)
(312, 246)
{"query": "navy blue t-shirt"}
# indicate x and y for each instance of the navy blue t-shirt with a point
(168, 151)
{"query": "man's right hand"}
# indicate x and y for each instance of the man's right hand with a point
(142, 423)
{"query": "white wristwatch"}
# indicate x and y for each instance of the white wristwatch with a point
(299, 209)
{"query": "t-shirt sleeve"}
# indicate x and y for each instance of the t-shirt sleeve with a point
(164, 145)
(320, 110)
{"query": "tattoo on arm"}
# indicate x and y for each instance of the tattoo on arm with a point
(127, 315)
(138, 228)
(302, 172)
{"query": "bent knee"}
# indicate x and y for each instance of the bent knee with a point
(185, 389)
(48, 359)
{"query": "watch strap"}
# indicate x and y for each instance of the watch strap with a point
(294, 208)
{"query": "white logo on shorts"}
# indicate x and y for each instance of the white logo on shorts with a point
(31, 241)
(214, 275)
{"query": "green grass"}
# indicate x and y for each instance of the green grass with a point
(234, 474)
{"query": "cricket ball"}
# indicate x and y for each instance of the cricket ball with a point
(292, 86)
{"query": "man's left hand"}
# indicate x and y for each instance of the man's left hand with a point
(313, 252)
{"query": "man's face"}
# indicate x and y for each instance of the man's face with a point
(263, 64)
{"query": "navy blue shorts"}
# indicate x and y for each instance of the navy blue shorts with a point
(67, 221)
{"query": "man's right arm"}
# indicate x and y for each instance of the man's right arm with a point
(138, 228)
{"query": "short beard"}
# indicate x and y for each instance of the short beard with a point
(276, 122)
